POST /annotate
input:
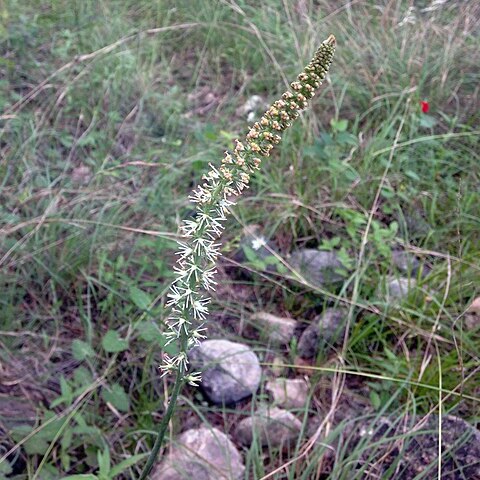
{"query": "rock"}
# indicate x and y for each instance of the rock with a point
(472, 317)
(230, 371)
(325, 329)
(399, 288)
(251, 107)
(317, 267)
(201, 454)
(474, 307)
(254, 248)
(405, 262)
(278, 366)
(269, 426)
(279, 329)
(408, 263)
(288, 393)
(417, 454)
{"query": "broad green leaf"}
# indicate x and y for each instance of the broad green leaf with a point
(86, 476)
(117, 397)
(375, 399)
(81, 350)
(140, 298)
(112, 342)
(150, 332)
(127, 463)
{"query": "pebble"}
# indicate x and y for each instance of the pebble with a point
(279, 330)
(288, 393)
(317, 267)
(325, 329)
(230, 371)
(201, 454)
(269, 426)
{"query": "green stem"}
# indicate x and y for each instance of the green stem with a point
(163, 425)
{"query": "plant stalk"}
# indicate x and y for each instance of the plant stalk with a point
(163, 425)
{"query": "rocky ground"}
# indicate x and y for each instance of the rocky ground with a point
(381, 445)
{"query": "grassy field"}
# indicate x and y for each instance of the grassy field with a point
(111, 110)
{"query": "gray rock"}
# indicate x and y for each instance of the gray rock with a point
(405, 262)
(278, 329)
(399, 288)
(230, 371)
(288, 393)
(201, 454)
(409, 264)
(317, 267)
(377, 443)
(325, 329)
(269, 426)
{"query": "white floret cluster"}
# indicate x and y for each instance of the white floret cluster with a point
(199, 250)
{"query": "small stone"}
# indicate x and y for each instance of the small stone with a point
(251, 107)
(279, 329)
(405, 262)
(81, 175)
(474, 307)
(399, 288)
(230, 371)
(408, 263)
(317, 267)
(472, 317)
(278, 366)
(326, 328)
(201, 454)
(288, 393)
(269, 426)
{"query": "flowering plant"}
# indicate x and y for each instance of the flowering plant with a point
(198, 249)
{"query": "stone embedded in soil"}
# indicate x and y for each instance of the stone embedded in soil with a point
(408, 263)
(472, 316)
(317, 267)
(399, 288)
(269, 426)
(405, 261)
(288, 393)
(325, 329)
(201, 454)
(377, 443)
(230, 371)
(278, 329)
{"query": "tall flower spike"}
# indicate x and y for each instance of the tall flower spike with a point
(198, 250)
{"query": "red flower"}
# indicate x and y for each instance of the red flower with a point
(425, 106)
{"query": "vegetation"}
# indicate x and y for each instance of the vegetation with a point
(111, 111)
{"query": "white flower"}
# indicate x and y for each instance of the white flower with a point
(258, 243)
(193, 378)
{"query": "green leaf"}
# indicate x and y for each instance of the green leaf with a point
(339, 125)
(117, 397)
(112, 342)
(140, 298)
(66, 396)
(150, 332)
(5, 468)
(375, 399)
(427, 121)
(127, 463)
(81, 350)
(103, 463)
(86, 476)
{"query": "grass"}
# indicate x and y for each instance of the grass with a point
(112, 110)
